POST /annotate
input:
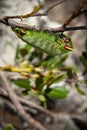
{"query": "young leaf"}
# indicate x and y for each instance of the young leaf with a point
(9, 127)
(85, 81)
(25, 50)
(79, 90)
(42, 98)
(60, 78)
(57, 93)
(86, 45)
(22, 83)
(38, 82)
(18, 55)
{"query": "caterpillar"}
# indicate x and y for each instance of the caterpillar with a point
(50, 42)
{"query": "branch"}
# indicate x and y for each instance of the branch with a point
(35, 10)
(76, 13)
(14, 99)
(6, 20)
(51, 7)
(12, 23)
(36, 106)
(29, 104)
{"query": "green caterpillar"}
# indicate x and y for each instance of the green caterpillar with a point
(50, 42)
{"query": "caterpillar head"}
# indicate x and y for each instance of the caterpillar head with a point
(65, 41)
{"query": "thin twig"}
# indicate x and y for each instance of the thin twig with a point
(76, 12)
(81, 12)
(46, 12)
(34, 12)
(51, 7)
(17, 104)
